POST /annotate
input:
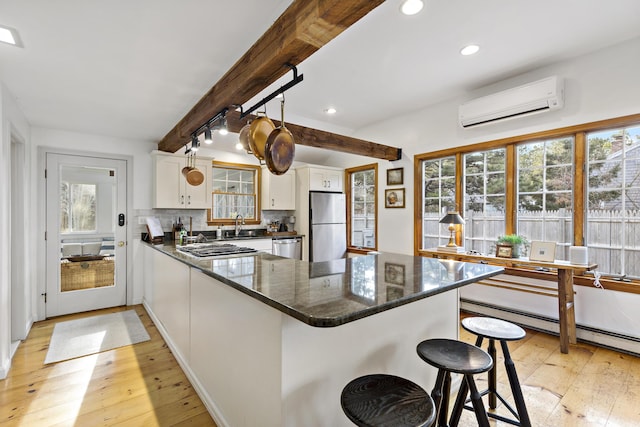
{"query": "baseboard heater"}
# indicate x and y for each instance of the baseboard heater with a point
(607, 339)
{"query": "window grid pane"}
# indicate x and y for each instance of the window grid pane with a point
(545, 192)
(484, 199)
(438, 197)
(234, 193)
(363, 208)
(613, 200)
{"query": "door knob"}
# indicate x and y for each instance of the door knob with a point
(121, 243)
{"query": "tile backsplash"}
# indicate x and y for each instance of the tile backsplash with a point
(198, 217)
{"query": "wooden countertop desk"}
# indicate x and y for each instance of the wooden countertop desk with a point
(566, 270)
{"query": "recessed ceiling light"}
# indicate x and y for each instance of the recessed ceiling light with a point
(330, 110)
(411, 7)
(9, 36)
(470, 49)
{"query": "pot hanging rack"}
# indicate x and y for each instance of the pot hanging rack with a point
(221, 115)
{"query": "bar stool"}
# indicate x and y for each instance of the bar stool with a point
(496, 329)
(386, 400)
(460, 358)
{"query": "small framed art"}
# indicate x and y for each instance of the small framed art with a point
(394, 198)
(504, 251)
(395, 176)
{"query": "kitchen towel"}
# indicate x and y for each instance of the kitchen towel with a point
(89, 335)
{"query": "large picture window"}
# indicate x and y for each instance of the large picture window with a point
(613, 197)
(362, 206)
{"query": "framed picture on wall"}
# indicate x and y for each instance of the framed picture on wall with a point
(394, 198)
(395, 176)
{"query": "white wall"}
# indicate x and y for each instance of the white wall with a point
(136, 152)
(598, 86)
(12, 122)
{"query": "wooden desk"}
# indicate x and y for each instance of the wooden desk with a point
(566, 308)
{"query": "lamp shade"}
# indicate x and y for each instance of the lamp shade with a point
(452, 218)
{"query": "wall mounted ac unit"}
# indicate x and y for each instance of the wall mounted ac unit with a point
(532, 98)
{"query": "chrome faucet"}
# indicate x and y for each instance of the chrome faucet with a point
(239, 227)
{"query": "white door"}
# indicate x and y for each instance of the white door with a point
(86, 233)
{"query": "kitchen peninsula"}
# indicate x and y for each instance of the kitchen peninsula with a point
(272, 341)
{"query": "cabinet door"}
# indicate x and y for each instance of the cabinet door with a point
(280, 191)
(169, 182)
(317, 181)
(333, 180)
(199, 197)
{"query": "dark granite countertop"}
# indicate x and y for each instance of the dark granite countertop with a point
(332, 293)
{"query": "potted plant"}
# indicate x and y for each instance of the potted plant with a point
(516, 242)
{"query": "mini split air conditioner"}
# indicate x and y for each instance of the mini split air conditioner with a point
(532, 98)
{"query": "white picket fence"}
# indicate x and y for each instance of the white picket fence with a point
(612, 236)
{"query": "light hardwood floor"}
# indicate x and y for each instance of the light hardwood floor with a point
(142, 385)
(137, 385)
(590, 386)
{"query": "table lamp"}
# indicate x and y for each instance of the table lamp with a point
(452, 218)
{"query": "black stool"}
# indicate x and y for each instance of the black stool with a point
(461, 358)
(387, 400)
(496, 329)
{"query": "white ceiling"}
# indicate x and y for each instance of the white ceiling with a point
(134, 68)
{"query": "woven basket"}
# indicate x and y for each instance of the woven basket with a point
(86, 274)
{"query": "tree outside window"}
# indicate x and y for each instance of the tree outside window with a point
(77, 207)
(438, 197)
(362, 200)
(545, 192)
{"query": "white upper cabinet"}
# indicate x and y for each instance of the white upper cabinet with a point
(171, 189)
(326, 180)
(278, 191)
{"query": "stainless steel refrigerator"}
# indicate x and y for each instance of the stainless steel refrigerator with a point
(328, 219)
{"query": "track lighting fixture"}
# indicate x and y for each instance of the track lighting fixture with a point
(223, 130)
(207, 135)
(195, 144)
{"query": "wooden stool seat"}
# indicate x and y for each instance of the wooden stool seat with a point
(496, 329)
(503, 331)
(461, 358)
(387, 400)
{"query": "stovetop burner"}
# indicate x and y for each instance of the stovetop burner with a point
(205, 250)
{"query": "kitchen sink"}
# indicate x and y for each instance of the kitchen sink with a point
(229, 234)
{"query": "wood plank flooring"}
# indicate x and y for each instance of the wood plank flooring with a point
(142, 385)
(137, 385)
(591, 386)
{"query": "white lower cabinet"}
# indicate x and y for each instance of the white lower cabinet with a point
(170, 302)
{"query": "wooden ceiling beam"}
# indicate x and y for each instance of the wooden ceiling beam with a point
(327, 140)
(301, 30)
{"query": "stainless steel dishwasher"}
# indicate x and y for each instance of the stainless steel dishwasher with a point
(288, 247)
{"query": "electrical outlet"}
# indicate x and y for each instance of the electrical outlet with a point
(142, 220)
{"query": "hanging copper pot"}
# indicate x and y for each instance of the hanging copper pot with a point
(280, 147)
(244, 137)
(259, 131)
(193, 176)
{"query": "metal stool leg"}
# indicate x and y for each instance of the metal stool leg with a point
(516, 390)
(459, 405)
(493, 386)
(436, 395)
(476, 399)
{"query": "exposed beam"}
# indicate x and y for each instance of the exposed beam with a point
(321, 139)
(301, 30)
